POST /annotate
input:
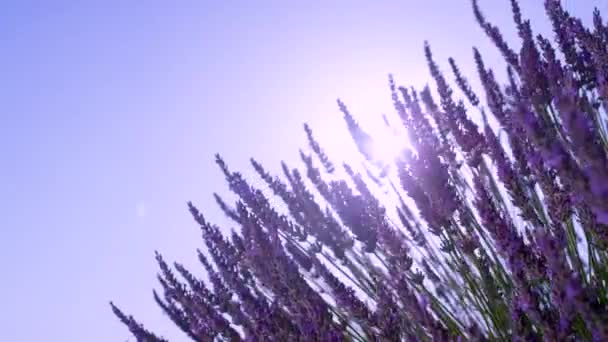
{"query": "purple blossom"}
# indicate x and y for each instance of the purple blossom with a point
(483, 273)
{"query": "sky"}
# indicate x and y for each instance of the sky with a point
(111, 112)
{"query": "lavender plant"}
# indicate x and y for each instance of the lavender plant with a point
(493, 230)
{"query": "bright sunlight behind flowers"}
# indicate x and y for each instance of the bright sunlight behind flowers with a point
(453, 229)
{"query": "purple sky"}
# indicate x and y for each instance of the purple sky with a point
(112, 111)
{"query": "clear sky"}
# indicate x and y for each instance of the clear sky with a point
(111, 111)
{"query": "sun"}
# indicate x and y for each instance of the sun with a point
(387, 147)
(387, 143)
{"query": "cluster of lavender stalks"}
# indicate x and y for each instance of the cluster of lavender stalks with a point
(498, 229)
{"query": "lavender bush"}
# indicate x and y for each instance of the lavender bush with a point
(491, 229)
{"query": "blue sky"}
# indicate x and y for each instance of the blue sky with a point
(111, 112)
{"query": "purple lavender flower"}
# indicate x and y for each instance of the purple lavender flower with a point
(463, 84)
(494, 34)
(482, 274)
(140, 333)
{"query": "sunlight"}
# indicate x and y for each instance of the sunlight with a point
(387, 146)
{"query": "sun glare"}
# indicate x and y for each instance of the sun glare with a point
(387, 146)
